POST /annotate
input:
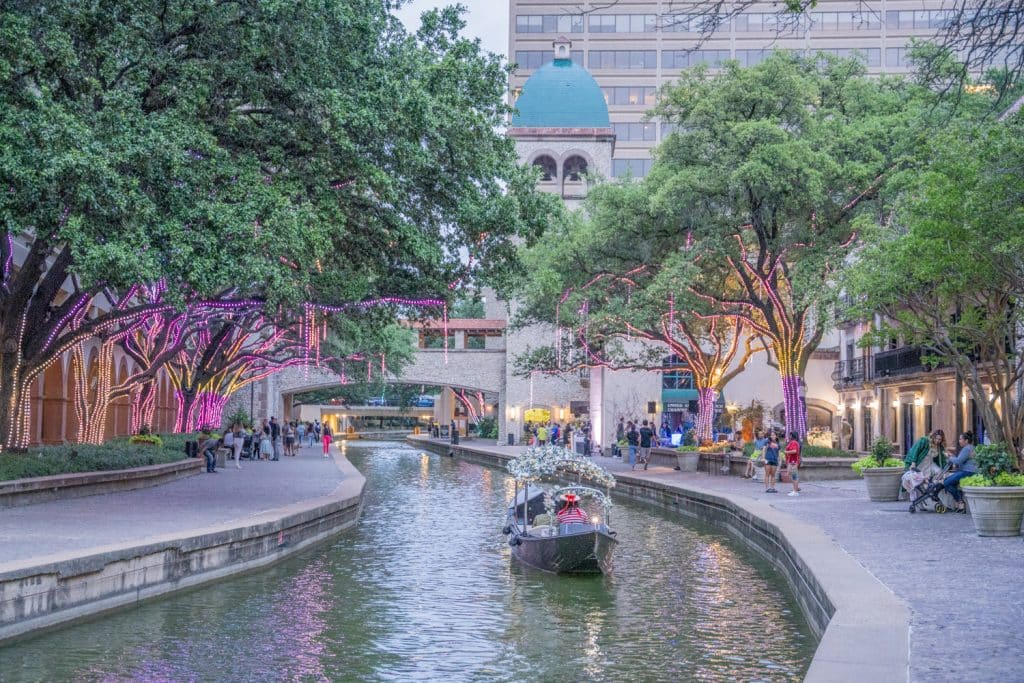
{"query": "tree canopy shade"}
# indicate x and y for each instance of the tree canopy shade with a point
(283, 152)
(616, 286)
(947, 270)
(762, 182)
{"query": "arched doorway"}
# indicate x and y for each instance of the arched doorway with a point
(54, 404)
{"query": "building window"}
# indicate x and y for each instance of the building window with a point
(535, 59)
(756, 22)
(476, 340)
(928, 419)
(636, 168)
(549, 23)
(691, 23)
(435, 340)
(675, 374)
(623, 23)
(867, 436)
(623, 59)
(640, 95)
(635, 131)
(574, 169)
(845, 21)
(548, 168)
(751, 57)
(918, 19)
(683, 59)
(896, 56)
(870, 56)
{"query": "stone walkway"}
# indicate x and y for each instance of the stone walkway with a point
(184, 505)
(968, 620)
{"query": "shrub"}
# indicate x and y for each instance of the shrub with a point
(975, 480)
(748, 450)
(151, 439)
(824, 452)
(488, 428)
(881, 451)
(869, 461)
(993, 459)
(116, 454)
(1007, 479)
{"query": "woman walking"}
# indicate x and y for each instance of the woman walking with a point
(793, 462)
(771, 462)
(327, 439)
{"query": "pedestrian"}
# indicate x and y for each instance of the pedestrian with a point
(266, 446)
(759, 445)
(965, 466)
(327, 439)
(554, 434)
(771, 462)
(542, 435)
(289, 439)
(620, 430)
(238, 439)
(300, 433)
(229, 440)
(209, 450)
(646, 438)
(633, 441)
(275, 438)
(317, 428)
(568, 436)
(793, 462)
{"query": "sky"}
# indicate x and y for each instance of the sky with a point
(485, 19)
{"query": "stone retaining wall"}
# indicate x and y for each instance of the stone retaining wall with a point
(864, 628)
(42, 593)
(75, 485)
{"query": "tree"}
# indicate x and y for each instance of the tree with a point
(283, 151)
(946, 269)
(616, 286)
(763, 179)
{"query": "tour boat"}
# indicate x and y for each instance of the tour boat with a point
(537, 538)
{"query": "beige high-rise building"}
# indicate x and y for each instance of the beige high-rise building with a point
(633, 47)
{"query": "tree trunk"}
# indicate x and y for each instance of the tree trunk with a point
(705, 413)
(14, 413)
(796, 409)
(143, 407)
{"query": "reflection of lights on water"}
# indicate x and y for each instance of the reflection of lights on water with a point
(424, 469)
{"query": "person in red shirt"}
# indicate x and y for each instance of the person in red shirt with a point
(793, 462)
(571, 511)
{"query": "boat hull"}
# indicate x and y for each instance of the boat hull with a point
(582, 552)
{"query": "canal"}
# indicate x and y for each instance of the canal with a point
(424, 589)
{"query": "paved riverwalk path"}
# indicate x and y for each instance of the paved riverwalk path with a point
(183, 506)
(967, 620)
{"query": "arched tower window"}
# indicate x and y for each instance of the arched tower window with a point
(574, 168)
(548, 168)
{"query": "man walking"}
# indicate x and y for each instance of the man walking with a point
(275, 438)
(646, 437)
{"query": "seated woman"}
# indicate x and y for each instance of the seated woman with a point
(923, 461)
(965, 466)
(572, 512)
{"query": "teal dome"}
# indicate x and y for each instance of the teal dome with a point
(561, 95)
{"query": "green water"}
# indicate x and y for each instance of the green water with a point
(424, 590)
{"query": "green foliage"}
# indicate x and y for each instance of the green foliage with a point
(151, 439)
(748, 450)
(1007, 479)
(824, 452)
(994, 459)
(869, 462)
(882, 450)
(487, 427)
(114, 455)
(976, 480)
(240, 416)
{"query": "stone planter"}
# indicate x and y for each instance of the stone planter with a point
(688, 460)
(883, 483)
(996, 510)
(758, 472)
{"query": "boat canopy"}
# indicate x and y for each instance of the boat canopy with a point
(543, 462)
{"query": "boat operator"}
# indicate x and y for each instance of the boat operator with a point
(572, 512)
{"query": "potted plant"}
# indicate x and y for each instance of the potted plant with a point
(995, 495)
(688, 455)
(882, 472)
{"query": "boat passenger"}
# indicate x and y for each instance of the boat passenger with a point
(572, 512)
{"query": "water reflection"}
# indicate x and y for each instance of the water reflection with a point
(424, 589)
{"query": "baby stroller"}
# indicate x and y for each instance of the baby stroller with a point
(928, 492)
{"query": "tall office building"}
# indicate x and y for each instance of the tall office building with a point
(633, 47)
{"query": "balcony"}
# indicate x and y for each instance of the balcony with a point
(902, 361)
(851, 372)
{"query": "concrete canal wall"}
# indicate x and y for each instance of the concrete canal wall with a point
(44, 592)
(864, 629)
